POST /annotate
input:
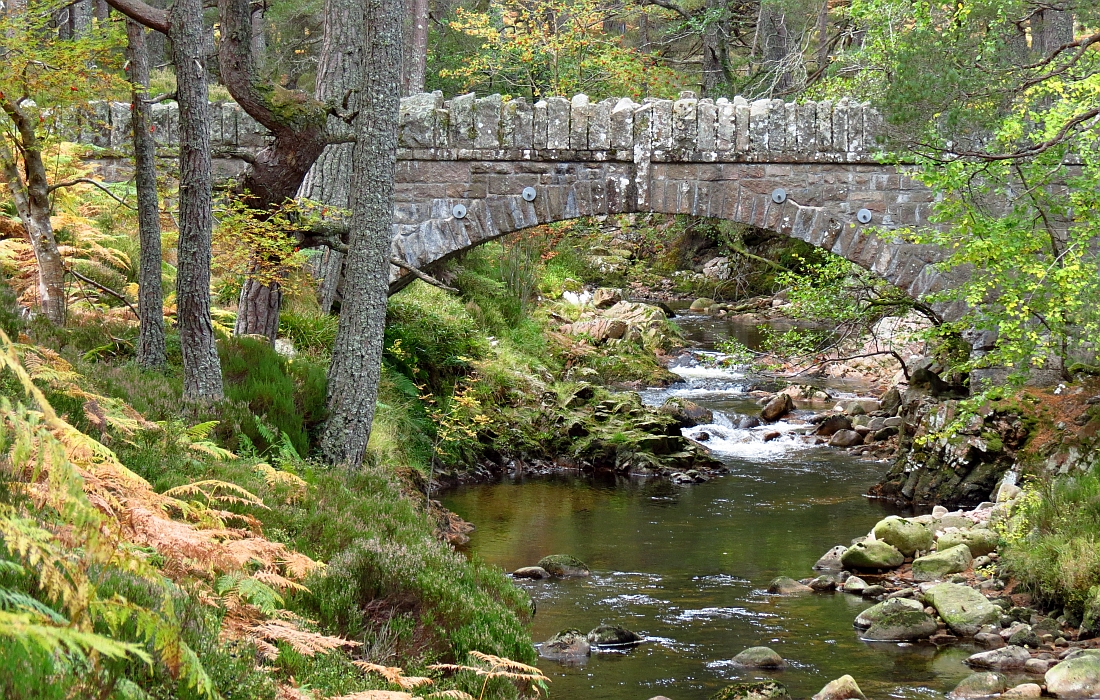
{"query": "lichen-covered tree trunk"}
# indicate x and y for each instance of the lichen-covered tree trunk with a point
(357, 355)
(32, 203)
(776, 47)
(258, 309)
(202, 377)
(416, 57)
(338, 77)
(151, 349)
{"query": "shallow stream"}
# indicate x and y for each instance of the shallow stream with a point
(686, 567)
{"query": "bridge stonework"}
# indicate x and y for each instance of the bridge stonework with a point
(721, 159)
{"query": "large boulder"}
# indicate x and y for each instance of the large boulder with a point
(878, 611)
(907, 536)
(890, 401)
(613, 636)
(935, 566)
(785, 585)
(843, 688)
(566, 645)
(701, 304)
(832, 424)
(532, 572)
(778, 407)
(717, 268)
(872, 556)
(1023, 691)
(901, 624)
(963, 609)
(687, 414)
(564, 565)
(830, 561)
(845, 438)
(979, 685)
(1010, 658)
(980, 541)
(753, 690)
(758, 657)
(606, 297)
(1076, 677)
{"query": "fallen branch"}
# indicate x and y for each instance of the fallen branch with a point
(424, 276)
(747, 254)
(894, 353)
(101, 288)
(89, 181)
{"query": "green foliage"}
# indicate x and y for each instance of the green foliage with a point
(312, 333)
(430, 337)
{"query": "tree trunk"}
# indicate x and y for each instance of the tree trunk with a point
(714, 52)
(151, 349)
(416, 60)
(357, 356)
(258, 44)
(775, 47)
(202, 378)
(338, 77)
(258, 309)
(32, 203)
(1051, 29)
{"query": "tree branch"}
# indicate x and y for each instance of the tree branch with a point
(151, 17)
(101, 288)
(397, 262)
(89, 181)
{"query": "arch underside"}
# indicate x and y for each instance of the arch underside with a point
(820, 207)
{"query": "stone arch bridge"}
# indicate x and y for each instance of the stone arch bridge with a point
(722, 159)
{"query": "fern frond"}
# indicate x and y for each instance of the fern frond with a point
(450, 695)
(395, 675)
(29, 630)
(216, 491)
(201, 431)
(305, 643)
(505, 663)
(17, 601)
(378, 695)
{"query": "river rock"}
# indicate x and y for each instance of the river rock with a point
(701, 304)
(613, 636)
(1024, 690)
(890, 401)
(748, 423)
(876, 612)
(830, 561)
(854, 584)
(980, 540)
(1010, 658)
(845, 438)
(1076, 677)
(872, 556)
(935, 566)
(843, 688)
(606, 297)
(758, 657)
(785, 585)
(564, 565)
(753, 690)
(873, 591)
(1025, 637)
(687, 414)
(778, 407)
(989, 640)
(832, 424)
(823, 584)
(565, 645)
(885, 433)
(979, 685)
(855, 408)
(532, 572)
(901, 624)
(907, 536)
(962, 608)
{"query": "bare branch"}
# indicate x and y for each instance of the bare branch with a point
(89, 181)
(101, 288)
(422, 275)
(151, 17)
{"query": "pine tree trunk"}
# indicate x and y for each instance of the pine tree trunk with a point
(32, 203)
(151, 349)
(338, 77)
(775, 43)
(202, 378)
(357, 356)
(258, 309)
(416, 60)
(714, 53)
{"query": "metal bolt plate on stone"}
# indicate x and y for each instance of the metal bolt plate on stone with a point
(458, 211)
(779, 195)
(863, 216)
(528, 194)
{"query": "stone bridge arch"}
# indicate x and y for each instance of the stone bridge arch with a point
(721, 159)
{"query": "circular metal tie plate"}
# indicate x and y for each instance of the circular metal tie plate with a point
(458, 211)
(863, 216)
(528, 194)
(779, 195)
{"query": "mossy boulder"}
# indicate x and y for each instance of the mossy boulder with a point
(980, 541)
(979, 685)
(843, 688)
(701, 304)
(570, 644)
(785, 585)
(873, 555)
(877, 612)
(778, 407)
(758, 657)
(687, 414)
(963, 609)
(941, 563)
(755, 690)
(1077, 677)
(564, 565)
(907, 536)
(613, 636)
(901, 624)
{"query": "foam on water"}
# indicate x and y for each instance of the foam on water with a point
(749, 444)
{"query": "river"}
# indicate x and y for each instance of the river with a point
(687, 567)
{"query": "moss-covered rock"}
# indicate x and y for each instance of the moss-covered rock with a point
(566, 645)
(901, 625)
(907, 536)
(564, 565)
(963, 609)
(613, 636)
(980, 541)
(755, 690)
(877, 612)
(758, 657)
(941, 563)
(872, 555)
(843, 688)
